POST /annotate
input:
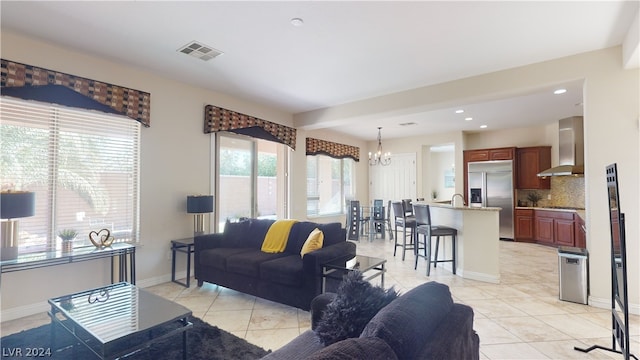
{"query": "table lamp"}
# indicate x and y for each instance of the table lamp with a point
(199, 205)
(14, 205)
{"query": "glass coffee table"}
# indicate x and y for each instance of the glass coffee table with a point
(118, 320)
(370, 267)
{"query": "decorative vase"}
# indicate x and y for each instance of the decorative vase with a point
(67, 246)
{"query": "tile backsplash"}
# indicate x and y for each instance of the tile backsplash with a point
(565, 191)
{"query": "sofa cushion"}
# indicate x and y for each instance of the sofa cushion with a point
(408, 321)
(235, 233)
(285, 271)
(248, 263)
(300, 232)
(314, 242)
(257, 231)
(217, 257)
(356, 302)
(356, 349)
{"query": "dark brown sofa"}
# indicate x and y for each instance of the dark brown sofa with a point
(233, 259)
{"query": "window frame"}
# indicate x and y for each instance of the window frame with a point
(342, 194)
(62, 122)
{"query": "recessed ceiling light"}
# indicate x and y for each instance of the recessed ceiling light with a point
(483, 126)
(560, 91)
(297, 22)
(468, 118)
(459, 111)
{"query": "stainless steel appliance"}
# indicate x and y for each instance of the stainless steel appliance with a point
(491, 185)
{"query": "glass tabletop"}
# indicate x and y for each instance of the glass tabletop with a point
(358, 262)
(85, 251)
(183, 242)
(115, 311)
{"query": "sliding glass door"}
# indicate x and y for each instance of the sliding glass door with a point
(250, 179)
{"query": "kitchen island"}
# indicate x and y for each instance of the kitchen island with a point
(478, 239)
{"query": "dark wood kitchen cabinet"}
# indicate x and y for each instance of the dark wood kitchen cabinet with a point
(555, 228)
(580, 231)
(564, 231)
(507, 153)
(544, 227)
(524, 225)
(529, 162)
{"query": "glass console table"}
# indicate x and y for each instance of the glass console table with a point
(123, 259)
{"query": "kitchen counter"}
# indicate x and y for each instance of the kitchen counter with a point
(470, 208)
(580, 212)
(478, 236)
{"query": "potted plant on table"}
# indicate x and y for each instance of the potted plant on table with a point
(67, 236)
(534, 197)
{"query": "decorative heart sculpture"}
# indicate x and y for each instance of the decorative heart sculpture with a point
(101, 238)
(106, 240)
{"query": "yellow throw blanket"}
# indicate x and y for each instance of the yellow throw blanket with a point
(276, 239)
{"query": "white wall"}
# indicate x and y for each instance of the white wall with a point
(175, 162)
(521, 137)
(611, 111)
(441, 164)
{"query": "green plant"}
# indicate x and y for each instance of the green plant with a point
(67, 234)
(534, 197)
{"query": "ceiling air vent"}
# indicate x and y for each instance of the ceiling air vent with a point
(408, 124)
(200, 50)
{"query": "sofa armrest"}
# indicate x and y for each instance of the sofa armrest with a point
(202, 243)
(454, 338)
(312, 262)
(208, 241)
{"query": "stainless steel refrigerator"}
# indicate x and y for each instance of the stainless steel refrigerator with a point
(491, 185)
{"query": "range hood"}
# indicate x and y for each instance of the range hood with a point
(570, 149)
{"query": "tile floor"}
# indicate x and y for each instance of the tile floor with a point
(521, 318)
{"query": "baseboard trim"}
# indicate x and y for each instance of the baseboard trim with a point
(606, 304)
(471, 275)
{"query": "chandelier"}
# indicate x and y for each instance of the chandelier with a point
(379, 158)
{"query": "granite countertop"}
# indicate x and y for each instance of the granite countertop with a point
(580, 212)
(471, 208)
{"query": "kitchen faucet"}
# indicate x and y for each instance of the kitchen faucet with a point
(454, 197)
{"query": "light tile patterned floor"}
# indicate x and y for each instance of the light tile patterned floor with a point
(521, 318)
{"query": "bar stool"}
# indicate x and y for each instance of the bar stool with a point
(406, 222)
(424, 227)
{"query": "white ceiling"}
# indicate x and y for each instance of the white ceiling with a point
(345, 51)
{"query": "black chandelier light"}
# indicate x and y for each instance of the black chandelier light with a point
(379, 158)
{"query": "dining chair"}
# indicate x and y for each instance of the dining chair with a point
(388, 220)
(378, 218)
(408, 207)
(353, 220)
(428, 230)
(407, 223)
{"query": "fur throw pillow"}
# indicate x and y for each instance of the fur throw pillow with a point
(356, 302)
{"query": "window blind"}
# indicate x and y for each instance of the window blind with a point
(82, 165)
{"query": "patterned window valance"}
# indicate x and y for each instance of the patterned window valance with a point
(34, 83)
(219, 119)
(335, 150)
